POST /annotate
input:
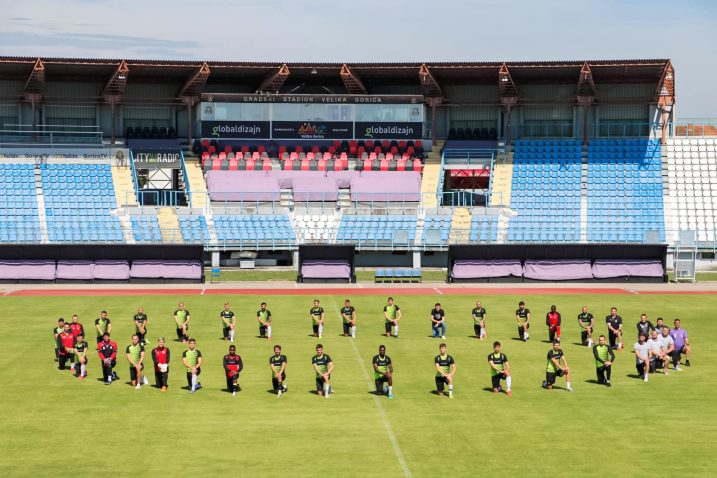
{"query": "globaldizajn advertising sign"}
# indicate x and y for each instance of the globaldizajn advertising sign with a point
(386, 130)
(236, 129)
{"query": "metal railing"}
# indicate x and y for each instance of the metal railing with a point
(43, 138)
(697, 128)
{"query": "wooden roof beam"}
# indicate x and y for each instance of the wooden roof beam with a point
(506, 85)
(352, 82)
(274, 81)
(430, 86)
(586, 85)
(114, 89)
(35, 84)
(665, 92)
(194, 85)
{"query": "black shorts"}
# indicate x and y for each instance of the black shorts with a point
(189, 372)
(388, 327)
(550, 376)
(225, 330)
(347, 328)
(315, 328)
(495, 380)
(133, 372)
(440, 382)
(320, 383)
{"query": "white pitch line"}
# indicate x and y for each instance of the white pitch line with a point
(386, 422)
(441, 293)
(203, 291)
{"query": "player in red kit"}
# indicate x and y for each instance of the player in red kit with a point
(232, 366)
(107, 350)
(552, 320)
(76, 327)
(66, 348)
(160, 357)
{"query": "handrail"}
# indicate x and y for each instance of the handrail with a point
(134, 176)
(187, 188)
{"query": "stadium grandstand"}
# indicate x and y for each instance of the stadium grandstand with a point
(532, 170)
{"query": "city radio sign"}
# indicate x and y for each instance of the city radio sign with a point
(156, 159)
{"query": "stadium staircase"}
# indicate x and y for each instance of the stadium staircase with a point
(197, 185)
(169, 225)
(584, 195)
(501, 182)
(42, 216)
(124, 186)
(431, 176)
(460, 225)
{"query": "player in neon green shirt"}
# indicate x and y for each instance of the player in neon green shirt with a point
(392, 315)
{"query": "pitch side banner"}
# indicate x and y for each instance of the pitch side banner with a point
(236, 129)
(325, 99)
(312, 129)
(157, 159)
(386, 130)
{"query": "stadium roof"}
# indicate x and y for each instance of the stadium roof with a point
(191, 76)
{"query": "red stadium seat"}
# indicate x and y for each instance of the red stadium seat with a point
(384, 165)
(367, 165)
(305, 164)
(205, 158)
(417, 166)
(410, 150)
(372, 156)
(315, 149)
(294, 155)
(338, 165)
(359, 151)
(332, 149)
(245, 149)
(377, 149)
(211, 149)
(389, 156)
(353, 150)
(233, 164)
(299, 149)
(205, 143)
(282, 148)
(419, 144)
(239, 155)
(385, 144)
(222, 155)
(267, 165)
(250, 165)
(343, 157)
(288, 164)
(327, 156)
(402, 144)
(401, 165)
(228, 149)
(322, 165)
(216, 164)
(310, 155)
(394, 150)
(369, 145)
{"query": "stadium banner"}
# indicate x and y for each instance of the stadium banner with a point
(42, 154)
(388, 130)
(235, 129)
(157, 159)
(320, 99)
(311, 130)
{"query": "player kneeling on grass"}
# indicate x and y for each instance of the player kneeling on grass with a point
(317, 319)
(277, 363)
(682, 345)
(229, 322)
(499, 369)
(107, 351)
(391, 315)
(614, 329)
(160, 357)
(522, 316)
(66, 348)
(586, 322)
(181, 318)
(557, 367)
(263, 316)
(81, 347)
(140, 325)
(445, 371)
(479, 316)
(348, 314)
(642, 357)
(383, 372)
(135, 357)
(552, 320)
(192, 359)
(323, 366)
(659, 358)
(232, 366)
(604, 357)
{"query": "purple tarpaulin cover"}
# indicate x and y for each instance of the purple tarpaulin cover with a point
(325, 269)
(386, 186)
(314, 189)
(111, 270)
(559, 269)
(27, 270)
(607, 268)
(166, 269)
(483, 269)
(76, 270)
(242, 186)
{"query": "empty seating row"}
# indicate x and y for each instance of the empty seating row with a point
(386, 229)
(397, 275)
(19, 218)
(146, 228)
(354, 147)
(255, 227)
(436, 229)
(194, 228)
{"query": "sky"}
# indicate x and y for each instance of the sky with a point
(684, 31)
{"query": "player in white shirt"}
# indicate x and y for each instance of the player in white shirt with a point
(658, 356)
(642, 357)
(668, 343)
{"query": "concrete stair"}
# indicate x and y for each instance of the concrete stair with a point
(431, 173)
(124, 186)
(501, 184)
(460, 226)
(196, 184)
(169, 225)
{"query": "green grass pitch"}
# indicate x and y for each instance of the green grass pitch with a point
(56, 425)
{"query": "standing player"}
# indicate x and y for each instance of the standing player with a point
(102, 324)
(81, 348)
(107, 351)
(587, 324)
(392, 315)
(557, 367)
(682, 344)
(479, 316)
(614, 329)
(642, 357)
(135, 357)
(192, 359)
(445, 371)
(552, 320)
(76, 327)
(140, 325)
(229, 322)
(232, 366)
(522, 316)
(181, 318)
(644, 326)
(438, 321)
(323, 366)
(55, 333)
(499, 370)
(604, 357)
(66, 348)
(317, 319)
(277, 364)
(263, 316)
(383, 372)
(348, 315)
(160, 357)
